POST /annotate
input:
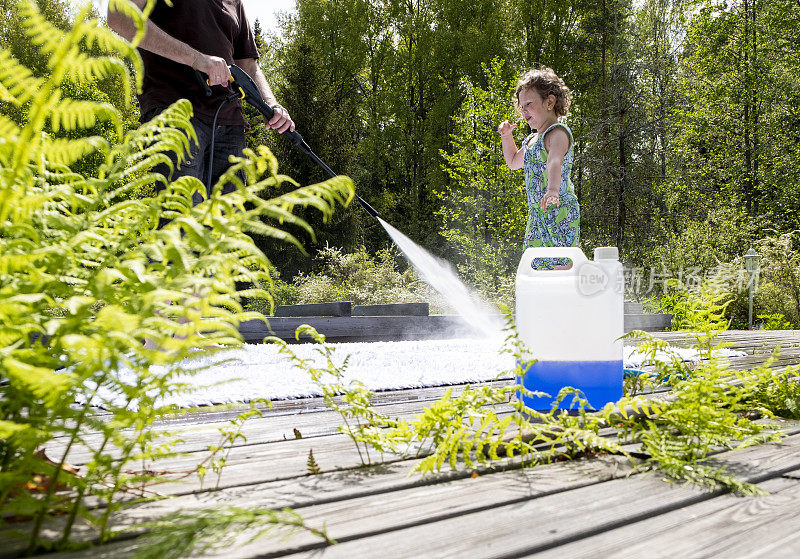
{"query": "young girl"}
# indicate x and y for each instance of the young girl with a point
(553, 212)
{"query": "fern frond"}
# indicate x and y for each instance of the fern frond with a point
(65, 152)
(134, 185)
(41, 32)
(71, 114)
(146, 166)
(323, 196)
(84, 67)
(95, 35)
(18, 82)
(5, 95)
(275, 233)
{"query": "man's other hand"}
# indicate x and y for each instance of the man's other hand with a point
(280, 121)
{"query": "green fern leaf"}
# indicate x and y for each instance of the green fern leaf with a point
(65, 152)
(71, 114)
(5, 95)
(41, 32)
(43, 383)
(95, 35)
(19, 83)
(84, 67)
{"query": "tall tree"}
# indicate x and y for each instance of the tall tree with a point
(738, 84)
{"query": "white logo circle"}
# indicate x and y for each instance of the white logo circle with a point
(592, 279)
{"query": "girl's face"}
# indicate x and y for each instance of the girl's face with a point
(536, 110)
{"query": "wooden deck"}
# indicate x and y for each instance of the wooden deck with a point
(586, 508)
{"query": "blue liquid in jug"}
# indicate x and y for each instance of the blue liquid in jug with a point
(600, 382)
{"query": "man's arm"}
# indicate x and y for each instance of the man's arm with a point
(280, 121)
(158, 42)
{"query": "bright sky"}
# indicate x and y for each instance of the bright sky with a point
(263, 10)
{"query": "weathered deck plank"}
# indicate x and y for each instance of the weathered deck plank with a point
(726, 526)
(555, 520)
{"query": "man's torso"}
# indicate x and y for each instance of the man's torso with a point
(213, 27)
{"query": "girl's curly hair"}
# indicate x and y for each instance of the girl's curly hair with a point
(546, 82)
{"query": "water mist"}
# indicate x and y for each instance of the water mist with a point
(439, 274)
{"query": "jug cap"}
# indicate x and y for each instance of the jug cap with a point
(606, 253)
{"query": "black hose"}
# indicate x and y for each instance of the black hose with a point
(228, 99)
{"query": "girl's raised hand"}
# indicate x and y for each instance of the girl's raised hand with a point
(505, 128)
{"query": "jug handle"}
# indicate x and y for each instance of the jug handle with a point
(573, 253)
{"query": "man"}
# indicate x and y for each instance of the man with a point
(204, 35)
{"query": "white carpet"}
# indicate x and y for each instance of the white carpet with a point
(260, 371)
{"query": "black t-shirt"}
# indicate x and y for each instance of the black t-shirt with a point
(213, 27)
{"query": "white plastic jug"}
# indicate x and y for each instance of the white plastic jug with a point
(572, 320)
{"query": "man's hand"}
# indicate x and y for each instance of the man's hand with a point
(214, 67)
(280, 121)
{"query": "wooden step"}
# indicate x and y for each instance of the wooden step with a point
(393, 309)
(632, 307)
(342, 308)
(647, 322)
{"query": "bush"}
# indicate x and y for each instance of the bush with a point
(776, 298)
(773, 322)
(690, 248)
(362, 279)
(778, 287)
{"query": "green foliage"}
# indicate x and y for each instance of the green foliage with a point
(74, 242)
(696, 241)
(686, 133)
(738, 87)
(710, 408)
(774, 322)
(198, 532)
(469, 429)
(707, 410)
(360, 278)
(701, 309)
(710, 405)
(311, 464)
(779, 276)
(280, 291)
(230, 434)
(777, 393)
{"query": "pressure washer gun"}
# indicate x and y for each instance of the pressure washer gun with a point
(247, 90)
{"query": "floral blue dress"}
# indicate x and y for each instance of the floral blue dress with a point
(558, 226)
